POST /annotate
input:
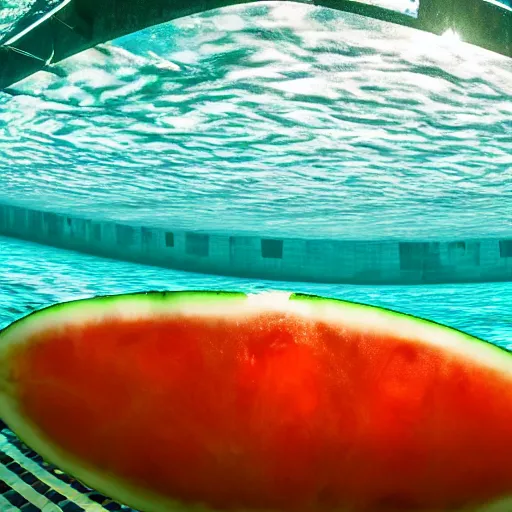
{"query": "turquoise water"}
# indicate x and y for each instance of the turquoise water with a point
(270, 119)
(283, 119)
(33, 276)
(15, 15)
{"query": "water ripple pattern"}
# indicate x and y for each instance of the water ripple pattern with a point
(33, 276)
(12, 11)
(286, 120)
(15, 15)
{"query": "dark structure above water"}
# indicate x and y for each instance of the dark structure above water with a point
(82, 24)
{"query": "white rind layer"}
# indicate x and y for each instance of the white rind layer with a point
(347, 315)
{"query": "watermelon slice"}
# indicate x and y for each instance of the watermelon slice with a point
(271, 402)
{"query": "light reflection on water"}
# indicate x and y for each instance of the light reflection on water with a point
(284, 119)
(272, 119)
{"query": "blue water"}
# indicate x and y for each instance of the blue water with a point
(271, 119)
(283, 119)
(33, 276)
(15, 15)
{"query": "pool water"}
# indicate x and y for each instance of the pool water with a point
(271, 119)
(33, 276)
(274, 120)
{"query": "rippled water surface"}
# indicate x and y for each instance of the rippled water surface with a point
(33, 276)
(16, 15)
(277, 119)
(269, 119)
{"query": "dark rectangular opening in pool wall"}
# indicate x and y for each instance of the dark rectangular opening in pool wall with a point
(271, 248)
(411, 255)
(35, 221)
(96, 232)
(19, 218)
(457, 246)
(169, 239)
(506, 248)
(431, 261)
(147, 236)
(124, 234)
(53, 224)
(197, 244)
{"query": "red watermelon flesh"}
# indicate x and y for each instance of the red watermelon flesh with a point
(275, 402)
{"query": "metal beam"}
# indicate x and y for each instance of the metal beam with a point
(82, 24)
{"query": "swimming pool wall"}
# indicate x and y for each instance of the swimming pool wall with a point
(293, 259)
